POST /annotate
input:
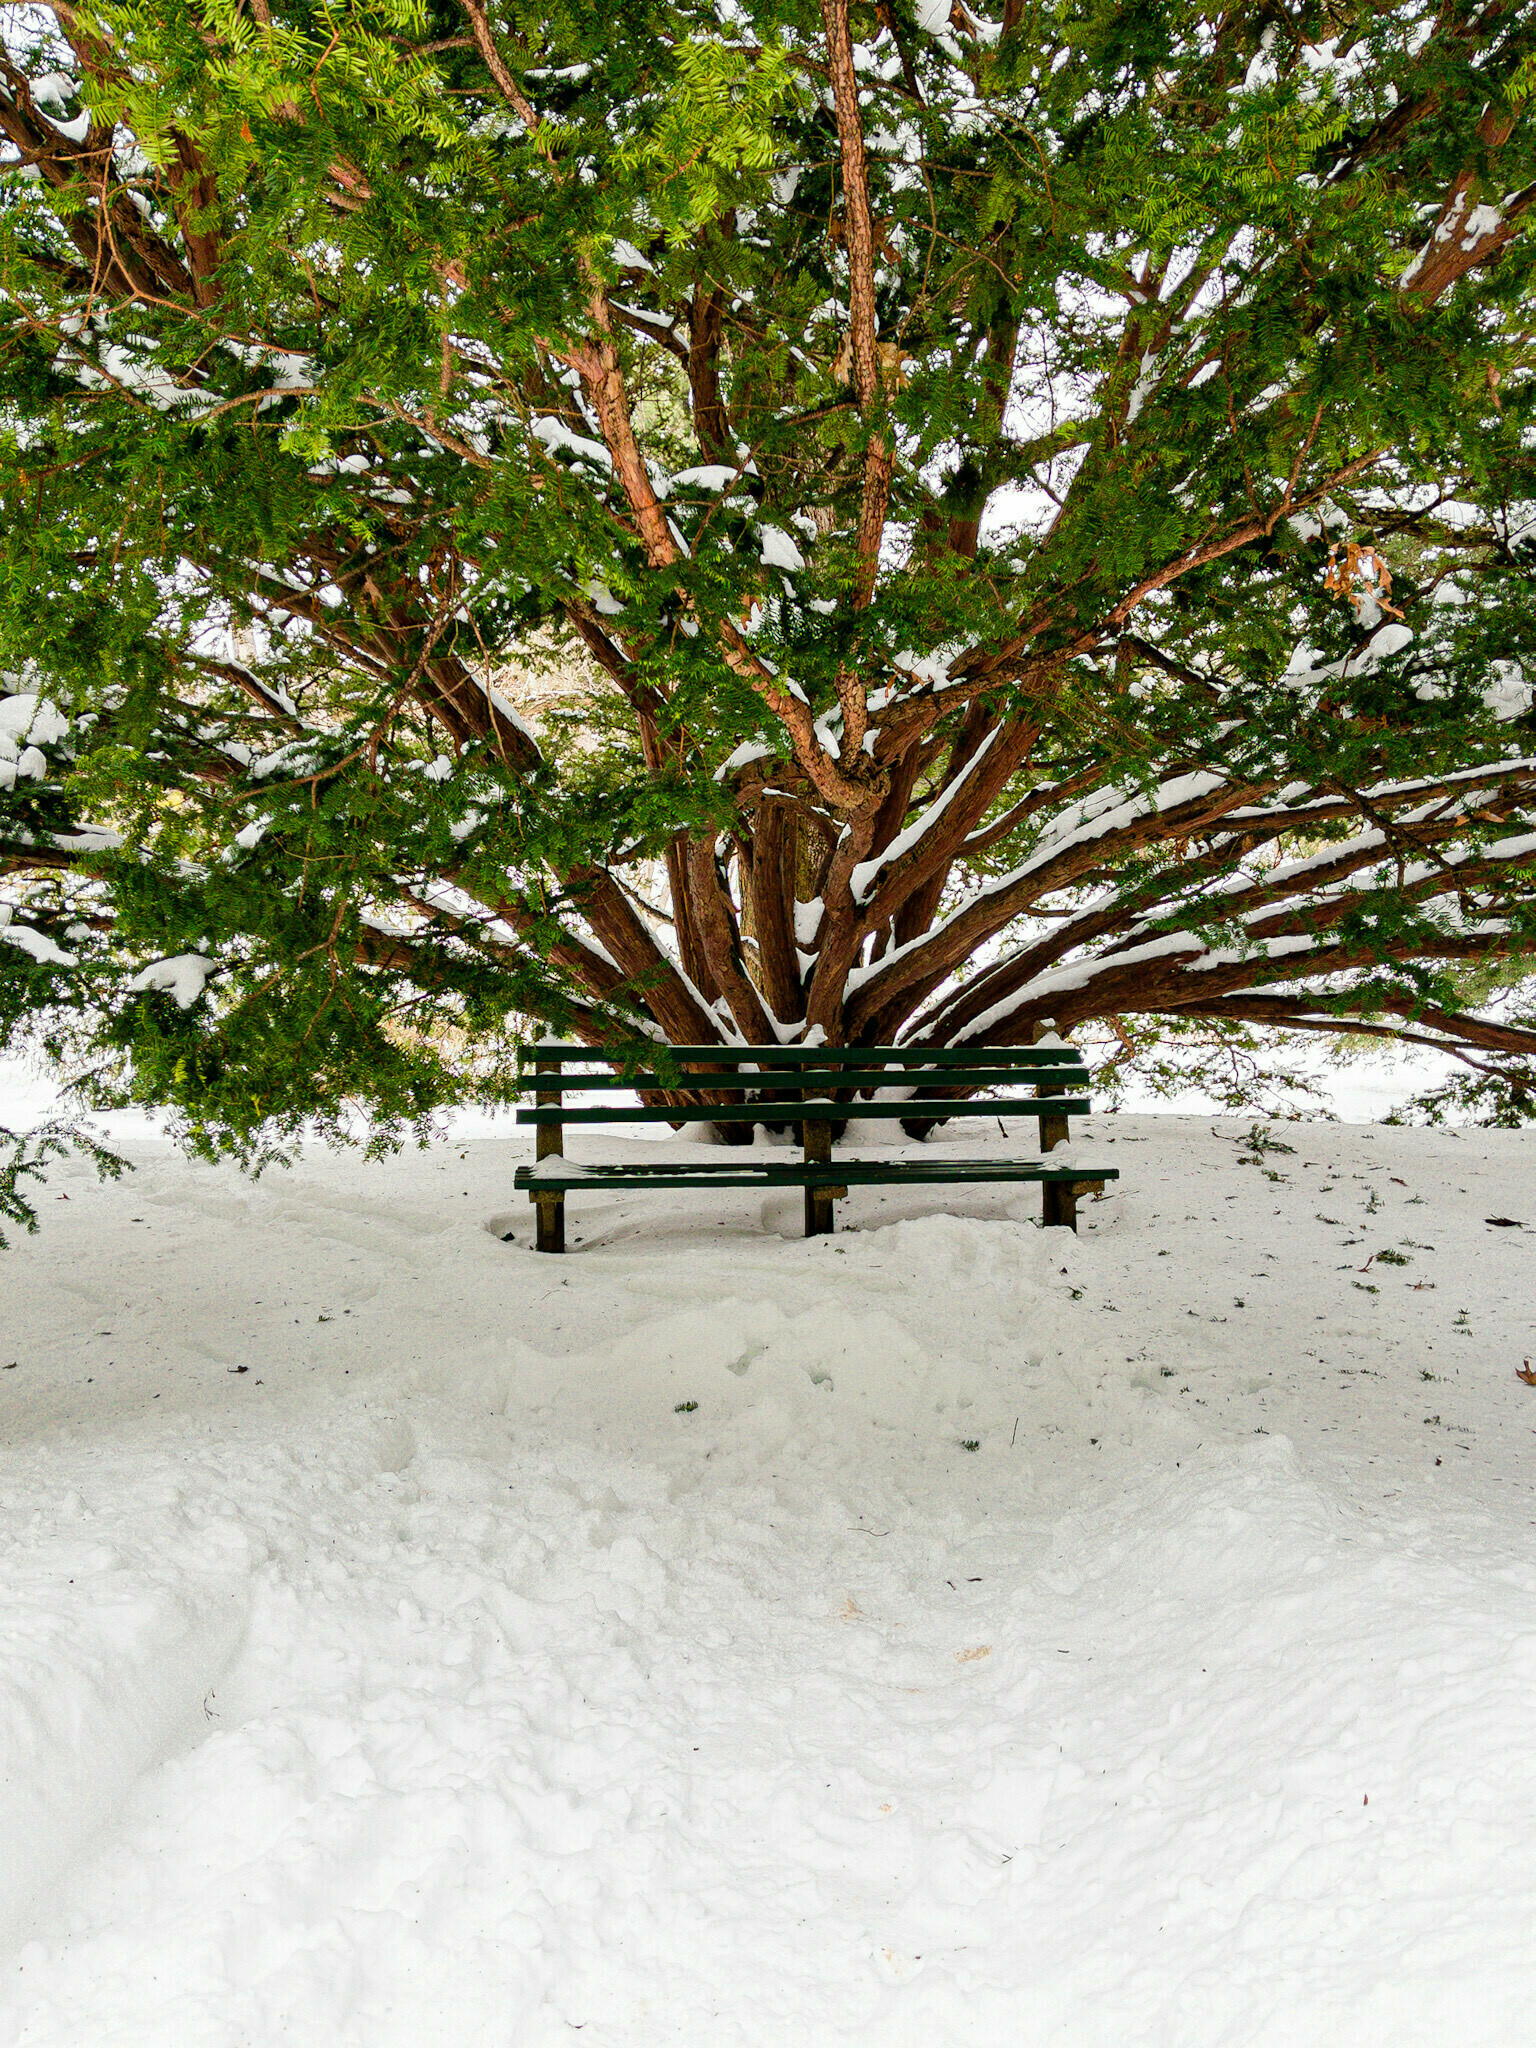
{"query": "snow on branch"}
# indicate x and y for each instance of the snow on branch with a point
(862, 880)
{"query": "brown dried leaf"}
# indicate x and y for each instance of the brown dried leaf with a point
(1362, 566)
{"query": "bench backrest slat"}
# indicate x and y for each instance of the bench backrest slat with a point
(792, 1085)
(820, 1110)
(647, 1053)
(773, 1083)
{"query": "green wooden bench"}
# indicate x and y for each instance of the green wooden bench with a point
(811, 1088)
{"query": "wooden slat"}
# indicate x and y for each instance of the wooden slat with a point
(646, 1052)
(828, 1080)
(795, 1174)
(815, 1111)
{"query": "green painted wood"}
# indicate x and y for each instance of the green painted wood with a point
(646, 1053)
(814, 1087)
(830, 1079)
(796, 1174)
(815, 1109)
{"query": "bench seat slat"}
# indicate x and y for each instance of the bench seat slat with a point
(792, 1174)
(795, 1112)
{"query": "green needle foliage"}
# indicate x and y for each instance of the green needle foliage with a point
(747, 523)
(25, 1155)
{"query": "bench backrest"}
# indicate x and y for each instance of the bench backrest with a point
(713, 1075)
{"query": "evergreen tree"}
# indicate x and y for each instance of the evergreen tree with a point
(1045, 507)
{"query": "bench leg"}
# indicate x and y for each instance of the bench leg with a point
(1058, 1197)
(818, 1201)
(1058, 1204)
(551, 1230)
(550, 1144)
(1054, 1130)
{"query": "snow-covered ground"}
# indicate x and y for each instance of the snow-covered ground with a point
(1119, 1640)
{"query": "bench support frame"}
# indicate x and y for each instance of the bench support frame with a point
(1058, 1198)
(550, 1236)
(819, 1217)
